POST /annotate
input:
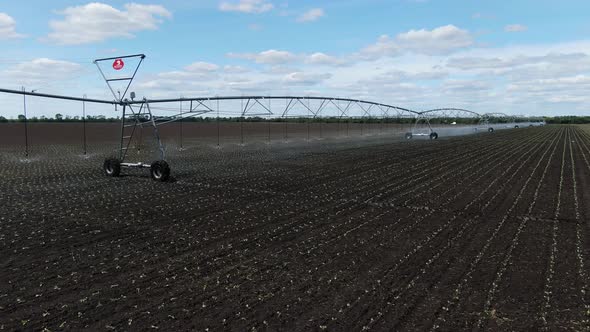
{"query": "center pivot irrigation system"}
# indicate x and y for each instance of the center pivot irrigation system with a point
(136, 114)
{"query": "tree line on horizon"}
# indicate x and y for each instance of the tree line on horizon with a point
(570, 119)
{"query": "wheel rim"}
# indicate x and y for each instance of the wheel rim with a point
(157, 172)
(109, 169)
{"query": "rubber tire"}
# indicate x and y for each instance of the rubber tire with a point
(160, 171)
(433, 136)
(112, 167)
(490, 130)
(408, 135)
(516, 126)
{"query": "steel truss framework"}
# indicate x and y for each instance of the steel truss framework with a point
(312, 107)
(137, 114)
(423, 126)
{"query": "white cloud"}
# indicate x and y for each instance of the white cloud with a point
(247, 6)
(202, 67)
(319, 58)
(398, 76)
(272, 57)
(8, 27)
(311, 15)
(552, 85)
(96, 22)
(274, 70)
(42, 70)
(515, 28)
(231, 69)
(554, 59)
(384, 46)
(301, 78)
(439, 41)
(466, 86)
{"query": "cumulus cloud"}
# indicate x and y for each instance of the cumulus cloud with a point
(96, 22)
(319, 58)
(398, 76)
(553, 85)
(515, 28)
(466, 86)
(8, 27)
(193, 74)
(202, 67)
(247, 6)
(439, 41)
(42, 70)
(280, 69)
(311, 15)
(385, 46)
(302, 78)
(271, 57)
(562, 91)
(471, 63)
(231, 69)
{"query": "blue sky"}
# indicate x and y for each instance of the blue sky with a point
(520, 57)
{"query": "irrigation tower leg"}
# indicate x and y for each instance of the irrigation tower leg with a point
(84, 123)
(25, 123)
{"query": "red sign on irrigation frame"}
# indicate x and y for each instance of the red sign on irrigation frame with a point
(118, 64)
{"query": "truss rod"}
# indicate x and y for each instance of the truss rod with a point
(45, 95)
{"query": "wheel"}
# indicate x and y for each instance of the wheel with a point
(516, 126)
(160, 170)
(433, 135)
(530, 125)
(491, 130)
(112, 167)
(408, 135)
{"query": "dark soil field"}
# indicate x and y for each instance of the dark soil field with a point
(466, 233)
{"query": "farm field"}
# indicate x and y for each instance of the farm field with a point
(477, 232)
(98, 134)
